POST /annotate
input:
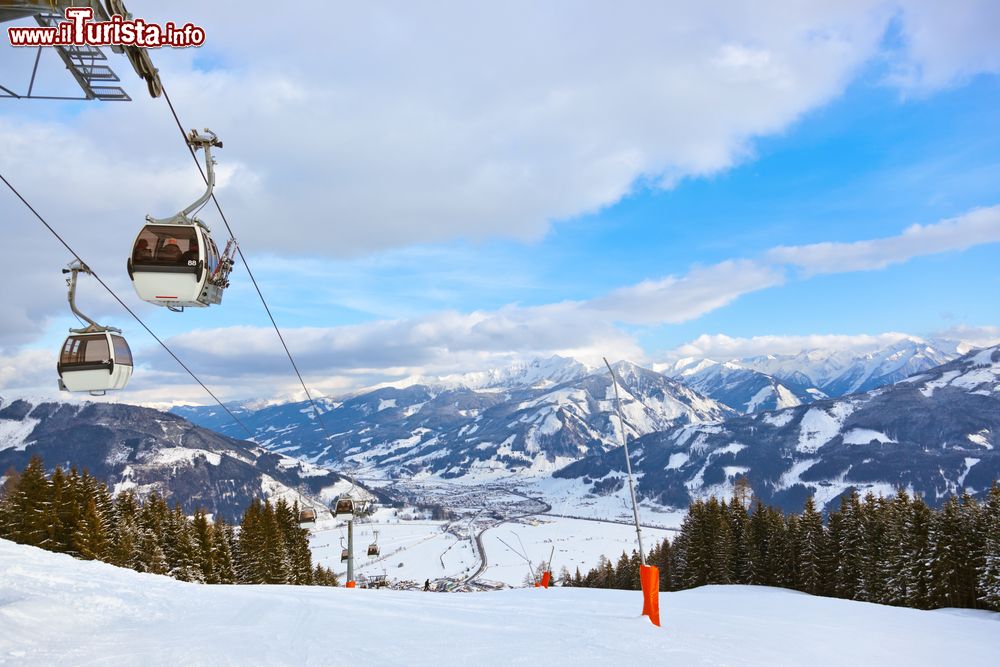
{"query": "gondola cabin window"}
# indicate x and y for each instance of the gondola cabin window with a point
(212, 254)
(123, 355)
(85, 350)
(166, 245)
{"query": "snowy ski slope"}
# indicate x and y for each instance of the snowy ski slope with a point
(424, 549)
(57, 610)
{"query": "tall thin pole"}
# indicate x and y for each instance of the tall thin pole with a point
(350, 549)
(628, 462)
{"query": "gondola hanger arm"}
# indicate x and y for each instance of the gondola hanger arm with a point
(195, 141)
(73, 269)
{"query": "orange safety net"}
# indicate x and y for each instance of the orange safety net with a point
(649, 577)
(351, 584)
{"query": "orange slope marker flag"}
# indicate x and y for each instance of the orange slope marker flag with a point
(649, 577)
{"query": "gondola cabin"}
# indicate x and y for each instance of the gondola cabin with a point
(177, 266)
(307, 518)
(94, 362)
(343, 556)
(345, 505)
(373, 549)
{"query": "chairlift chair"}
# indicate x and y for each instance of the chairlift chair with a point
(174, 262)
(95, 358)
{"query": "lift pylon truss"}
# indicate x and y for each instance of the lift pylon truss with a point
(88, 65)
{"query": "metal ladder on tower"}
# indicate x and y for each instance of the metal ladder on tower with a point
(88, 66)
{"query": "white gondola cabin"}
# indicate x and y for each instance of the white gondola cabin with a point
(373, 549)
(345, 505)
(177, 266)
(96, 358)
(174, 261)
(344, 555)
(94, 362)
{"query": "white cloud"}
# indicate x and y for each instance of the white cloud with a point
(676, 299)
(977, 227)
(379, 126)
(721, 347)
(966, 337)
(376, 126)
(946, 42)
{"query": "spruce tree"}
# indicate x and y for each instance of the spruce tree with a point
(90, 540)
(989, 571)
(972, 550)
(739, 557)
(850, 548)
(946, 556)
(758, 537)
(222, 555)
(203, 538)
(873, 585)
(917, 556)
(811, 539)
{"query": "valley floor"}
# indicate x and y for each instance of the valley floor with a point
(58, 610)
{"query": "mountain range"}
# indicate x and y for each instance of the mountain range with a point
(130, 447)
(534, 425)
(696, 427)
(934, 433)
(774, 381)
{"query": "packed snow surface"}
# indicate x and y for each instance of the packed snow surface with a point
(58, 610)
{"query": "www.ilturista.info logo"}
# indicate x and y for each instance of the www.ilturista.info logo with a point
(80, 29)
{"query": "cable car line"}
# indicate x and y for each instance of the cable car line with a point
(124, 305)
(239, 250)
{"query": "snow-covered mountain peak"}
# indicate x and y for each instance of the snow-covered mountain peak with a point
(537, 372)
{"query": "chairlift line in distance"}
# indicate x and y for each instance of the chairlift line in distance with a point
(175, 262)
(95, 358)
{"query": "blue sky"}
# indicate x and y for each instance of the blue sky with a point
(409, 212)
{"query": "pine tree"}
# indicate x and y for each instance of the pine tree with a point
(972, 550)
(204, 542)
(849, 548)
(918, 527)
(811, 540)
(222, 555)
(793, 554)
(276, 561)
(895, 572)
(181, 548)
(7, 492)
(989, 571)
(872, 585)
(150, 556)
(945, 555)
(758, 537)
(720, 537)
(91, 538)
(30, 506)
(249, 556)
(61, 515)
(739, 558)
(622, 578)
